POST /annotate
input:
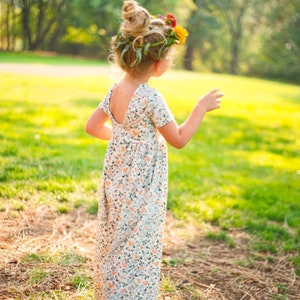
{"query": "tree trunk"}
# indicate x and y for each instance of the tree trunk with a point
(55, 36)
(27, 41)
(13, 27)
(44, 24)
(1, 29)
(7, 26)
(236, 36)
(234, 62)
(59, 26)
(188, 58)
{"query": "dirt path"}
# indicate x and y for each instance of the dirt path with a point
(193, 266)
(54, 70)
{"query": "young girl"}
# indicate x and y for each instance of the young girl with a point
(134, 184)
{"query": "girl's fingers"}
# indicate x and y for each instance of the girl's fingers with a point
(213, 91)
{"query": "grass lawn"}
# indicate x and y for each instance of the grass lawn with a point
(240, 171)
(46, 58)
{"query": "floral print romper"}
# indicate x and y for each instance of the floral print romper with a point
(133, 201)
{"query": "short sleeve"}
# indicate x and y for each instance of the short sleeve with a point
(160, 113)
(104, 104)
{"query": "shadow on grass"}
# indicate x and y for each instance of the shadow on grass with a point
(237, 176)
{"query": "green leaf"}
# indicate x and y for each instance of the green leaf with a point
(139, 55)
(126, 48)
(162, 48)
(146, 49)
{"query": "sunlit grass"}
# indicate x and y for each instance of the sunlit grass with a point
(46, 58)
(42, 130)
(242, 169)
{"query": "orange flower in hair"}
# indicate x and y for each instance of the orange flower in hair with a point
(181, 34)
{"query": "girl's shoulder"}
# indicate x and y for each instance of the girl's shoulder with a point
(151, 93)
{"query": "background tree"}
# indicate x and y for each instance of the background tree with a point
(218, 29)
(8, 24)
(233, 14)
(248, 37)
(90, 24)
(278, 54)
(39, 18)
(204, 30)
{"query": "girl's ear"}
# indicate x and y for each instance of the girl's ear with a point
(157, 66)
(157, 63)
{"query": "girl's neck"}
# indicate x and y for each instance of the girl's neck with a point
(136, 81)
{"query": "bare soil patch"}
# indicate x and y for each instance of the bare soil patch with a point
(223, 271)
(196, 267)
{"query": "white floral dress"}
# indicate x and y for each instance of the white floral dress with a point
(133, 201)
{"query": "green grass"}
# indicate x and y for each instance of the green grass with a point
(242, 169)
(46, 58)
(36, 275)
(221, 236)
(80, 281)
(61, 269)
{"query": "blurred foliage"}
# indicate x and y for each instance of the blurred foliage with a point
(246, 37)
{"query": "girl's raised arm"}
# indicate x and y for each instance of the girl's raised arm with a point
(179, 136)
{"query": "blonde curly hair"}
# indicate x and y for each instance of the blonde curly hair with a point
(142, 39)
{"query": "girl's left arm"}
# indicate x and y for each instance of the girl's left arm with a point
(97, 127)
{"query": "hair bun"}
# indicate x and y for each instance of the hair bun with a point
(136, 19)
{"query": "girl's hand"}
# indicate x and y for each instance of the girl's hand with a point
(211, 100)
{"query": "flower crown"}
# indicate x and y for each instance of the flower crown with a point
(176, 35)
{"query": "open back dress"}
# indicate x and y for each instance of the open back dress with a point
(133, 200)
